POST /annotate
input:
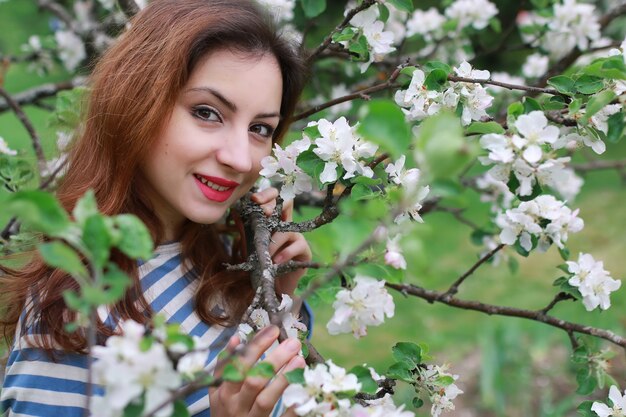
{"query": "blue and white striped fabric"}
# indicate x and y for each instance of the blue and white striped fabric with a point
(35, 385)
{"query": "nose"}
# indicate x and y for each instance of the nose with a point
(234, 151)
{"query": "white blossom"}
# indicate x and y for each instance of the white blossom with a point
(282, 167)
(571, 139)
(574, 25)
(259, 318)
(416, 101)
(318, 395)
(393, 253)
(366, 304)
(341, 148)
(535, 66)
(546, 218)
(399, 176)
(593, 281)
(71, 49)
(426, 23)
(600, 119)
(146, 371)
(475, 13)
(617, 400)
(440, 397)
(4, 148)
(534, 131)
(473, 96)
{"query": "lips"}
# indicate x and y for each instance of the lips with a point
(215, 188)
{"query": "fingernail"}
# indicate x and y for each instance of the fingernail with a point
(297, 362)
(293, 345)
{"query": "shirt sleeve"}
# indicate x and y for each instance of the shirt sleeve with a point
(39, 384)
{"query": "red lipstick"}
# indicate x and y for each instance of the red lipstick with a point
(215, 188)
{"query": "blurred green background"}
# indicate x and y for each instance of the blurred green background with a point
(507, 366)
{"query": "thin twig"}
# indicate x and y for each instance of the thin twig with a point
(43, 91)
(35, 140)
(599, 165)
(562, 296)
(366, 4)
(454, 288)
(436, 296)
(526, 88)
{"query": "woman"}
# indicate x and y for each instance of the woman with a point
(182, 109)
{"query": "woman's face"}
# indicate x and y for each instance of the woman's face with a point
(209, 152)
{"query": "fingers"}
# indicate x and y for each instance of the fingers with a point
(293, 247)
(267, 398)
(255, 392)
(287, 214)
(266, 199)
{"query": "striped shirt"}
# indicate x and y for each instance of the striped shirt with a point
(36, 385)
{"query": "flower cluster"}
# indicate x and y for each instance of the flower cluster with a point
(259, 318)
(146, 371)
(572, 25)
(545, 218)
(440, 387)
(324, 392)
(366, 304)
(71, 49)
(282, 167)
(593, 281)
(414, 194)
(523, 155)
(474, 13)
(379, 41)
(418, 102)
(617, 399)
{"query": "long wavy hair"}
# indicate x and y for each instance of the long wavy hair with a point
(133, 89)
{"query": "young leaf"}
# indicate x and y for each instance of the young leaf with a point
(562, 83)
(484, 128)
(296, 376)
(399, 371)
(40, 210)
(96, 238)
(262, 369)
(588, 84)
(385, 125)
(596, 103)
(407, 352)
(363, 374)
(232, 374)
(59, 255)
(135, 239)
(616, 125)
(180, 409)
(404, 5)
(85, 207)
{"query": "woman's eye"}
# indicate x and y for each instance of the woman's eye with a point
(206, 113)
(262, 130)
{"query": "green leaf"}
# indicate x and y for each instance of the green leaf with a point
(115, 282)
(596, 103)
(232, 374)
(436, 79)
(296, 376)
(404, 5)
(587, 382)
(312, 165)
(407, 352)
(74, 301)
(400, 371)
(584, 409)
(96, 238)
(40, 210)
(363, 374)
(417, 402)
(616, 125)
(484, 128)
(383, 14)
(530, 104)
(180, 409)
(313, 8)
(59, 255)
(575, 106)
(135, 408)
(564, 252)
(135, 239)
(262, 369)
(515, 109)
(360, 48)
(477, 236)
(564, 268)
(562, 84)
(588, 84)
(444, 380)
(385, 126)
(433, 65)
(444, 148)
(609, 68)
(85, 207)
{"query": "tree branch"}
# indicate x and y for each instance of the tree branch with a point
(43, 91)
(362, 94)
(35, 140)
(526, 88)
(454, 288)
(326, 42)
(539, 316)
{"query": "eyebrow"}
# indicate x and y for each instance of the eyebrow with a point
(231, 106)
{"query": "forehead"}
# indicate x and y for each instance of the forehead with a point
(251, 77)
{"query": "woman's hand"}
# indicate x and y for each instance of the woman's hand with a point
(257, 396)
(284, 247)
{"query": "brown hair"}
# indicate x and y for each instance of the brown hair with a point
(133, 90)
